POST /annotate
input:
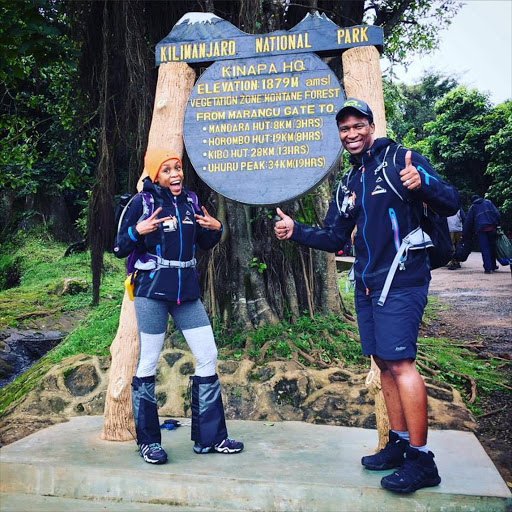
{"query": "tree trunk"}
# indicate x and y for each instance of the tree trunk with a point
(362, 79)
(118, 422)
(175, 82)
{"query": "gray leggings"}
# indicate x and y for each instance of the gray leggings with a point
(190, 318)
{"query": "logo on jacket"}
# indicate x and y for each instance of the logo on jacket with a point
(378, 190)
(170, 225)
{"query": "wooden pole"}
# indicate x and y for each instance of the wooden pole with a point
(362, 79)
(175, 82)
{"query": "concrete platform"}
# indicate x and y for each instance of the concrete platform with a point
(289, 466)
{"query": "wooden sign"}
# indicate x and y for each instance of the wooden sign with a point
(204, 37)
(259, 125)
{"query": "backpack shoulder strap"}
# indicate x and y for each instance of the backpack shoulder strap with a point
(391, 186)
(148, 204)
(343, 187)
(192, 198)
(147, 207)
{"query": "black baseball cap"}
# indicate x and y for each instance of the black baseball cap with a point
(355, 104)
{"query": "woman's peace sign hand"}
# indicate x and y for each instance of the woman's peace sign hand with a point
(207, 221)
(151, 223)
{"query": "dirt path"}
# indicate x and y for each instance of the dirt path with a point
(480, 308)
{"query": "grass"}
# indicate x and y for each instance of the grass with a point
(329, 339)
(43, 269)
(451, 362)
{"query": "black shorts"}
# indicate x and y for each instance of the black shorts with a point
(391, 331)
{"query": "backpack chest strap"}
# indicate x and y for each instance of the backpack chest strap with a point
(416, 239)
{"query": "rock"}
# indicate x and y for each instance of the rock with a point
(440, 394)
(50, 383)
(95, 405)
(339, 376)
(262, 373)
(72, 286)
(82, 380)
(227, 367)
(172, 358)
(161, 398)
(104, 362)
(187, 369)
(6, 368)
(277, 391)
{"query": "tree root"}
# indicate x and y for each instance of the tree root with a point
(36, 314)
(472, 395)
(426, 368)
(491, 413)
(472, 382)
(263, 351)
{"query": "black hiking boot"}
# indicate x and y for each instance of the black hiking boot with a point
(153, 453)
(390, 457)
(228, 446)
(419, 470)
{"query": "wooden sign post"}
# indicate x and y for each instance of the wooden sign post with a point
(175, 81)
(259, 127)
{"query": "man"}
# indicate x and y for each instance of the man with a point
(483, 217)
(455, 223)
(369, 199)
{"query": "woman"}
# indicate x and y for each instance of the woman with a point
(162, 226)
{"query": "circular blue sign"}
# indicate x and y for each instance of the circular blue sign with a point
(262, 131)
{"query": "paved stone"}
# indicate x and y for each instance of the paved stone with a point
(288, 466)
(34, 503)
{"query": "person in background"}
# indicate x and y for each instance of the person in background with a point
(166, 284)
(455, 223)
(388, 329)
(483, 219)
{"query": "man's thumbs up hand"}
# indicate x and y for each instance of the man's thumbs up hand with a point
(410, 176)
(284, 227)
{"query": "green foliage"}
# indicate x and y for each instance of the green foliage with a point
(259, 266)
(94, 334)
(499, 168)
(410, 107)
(29, 27)
(330, 336)
(457, 139)
(24, 383)
(306, 213)
(47, 146)
(411, 27)
(466, 139)
(42, 268)
(451, 364)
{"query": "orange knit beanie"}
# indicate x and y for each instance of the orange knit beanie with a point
(155, 158)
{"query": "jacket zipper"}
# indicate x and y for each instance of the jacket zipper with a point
(364, 228)
(181, 248)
